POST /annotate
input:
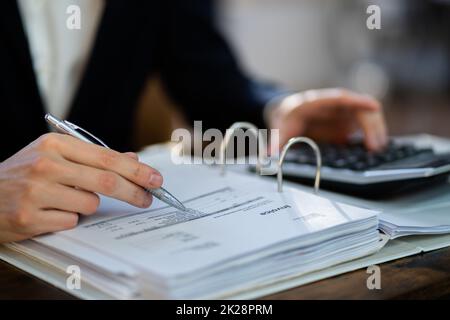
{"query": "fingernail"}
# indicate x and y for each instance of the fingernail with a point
(155, 179)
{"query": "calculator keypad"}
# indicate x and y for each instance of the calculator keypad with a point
(356, 157)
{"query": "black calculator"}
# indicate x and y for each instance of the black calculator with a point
(351, 169)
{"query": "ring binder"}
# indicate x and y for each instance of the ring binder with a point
(228, 134)
(316, 150)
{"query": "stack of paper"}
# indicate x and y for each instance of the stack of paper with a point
(238, 234)
(419, 213)
(416, 222)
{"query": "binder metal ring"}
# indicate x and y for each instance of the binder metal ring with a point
(286, 147)
(228, 135)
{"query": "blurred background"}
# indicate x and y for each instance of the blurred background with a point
(304, 44)
(307, 44)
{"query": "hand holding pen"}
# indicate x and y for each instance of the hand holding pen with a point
(48, 184)
(134, 172)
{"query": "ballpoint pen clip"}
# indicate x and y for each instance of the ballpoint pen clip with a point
(75, 127)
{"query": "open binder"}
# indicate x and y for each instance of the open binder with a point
(242, 238)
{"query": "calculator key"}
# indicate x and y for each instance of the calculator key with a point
(359, 166)
(339, 163)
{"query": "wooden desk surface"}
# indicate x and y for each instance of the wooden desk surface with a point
(424, 276)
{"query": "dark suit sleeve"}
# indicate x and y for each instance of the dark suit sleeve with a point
(202, 75)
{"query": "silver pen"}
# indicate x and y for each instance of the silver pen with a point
(69, 128)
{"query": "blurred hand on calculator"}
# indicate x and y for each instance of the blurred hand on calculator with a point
(330, 115)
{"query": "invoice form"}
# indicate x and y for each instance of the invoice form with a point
(222, 223)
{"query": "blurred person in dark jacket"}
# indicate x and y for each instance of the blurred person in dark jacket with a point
(94, 76)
